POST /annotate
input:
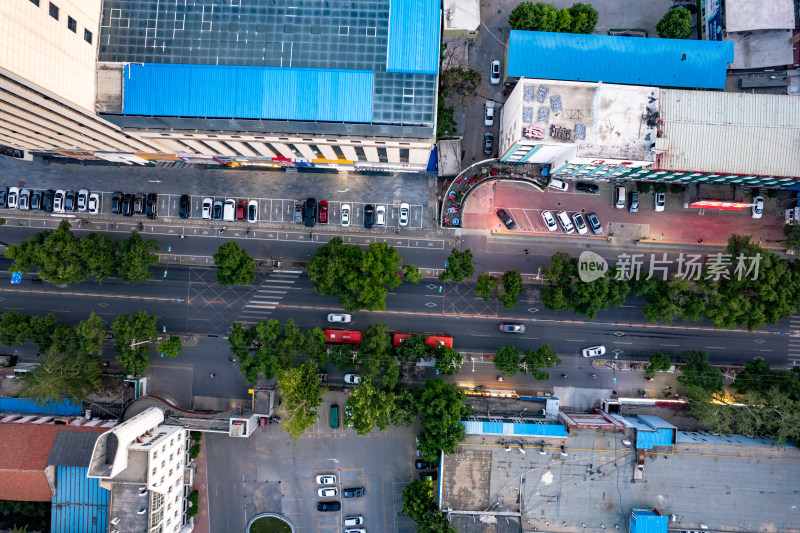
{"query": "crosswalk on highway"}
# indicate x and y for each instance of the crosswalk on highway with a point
(268, 296)
(794, 341)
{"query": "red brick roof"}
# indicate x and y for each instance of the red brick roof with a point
(24, 449)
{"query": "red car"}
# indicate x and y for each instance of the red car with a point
(241, 209)
(323, 212)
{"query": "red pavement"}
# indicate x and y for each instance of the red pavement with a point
(201, 523)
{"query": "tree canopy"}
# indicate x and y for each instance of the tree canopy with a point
(699, 373)
(566, 293)
(301, 394)
(512, 288)
(267, 347)
(658, 363)
(234, 265)
(62, 376)
(507, 359)
(459, 266)
(675, 24)
(420, 506)
(534, 360)
(540, 16)
(441, 408)
(136, 257)
(368, 407)
(133, 337)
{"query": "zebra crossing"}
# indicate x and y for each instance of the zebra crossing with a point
(794, 341)
(272, 291)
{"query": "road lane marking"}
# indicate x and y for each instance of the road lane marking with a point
(670, 345)
(575, 340)
(715, 347)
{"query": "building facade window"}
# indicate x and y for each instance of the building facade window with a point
(382, 157)
(53, 10)
(87, 36)
(35, 2)
(72, 24)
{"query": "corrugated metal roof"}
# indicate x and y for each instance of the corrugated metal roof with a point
(474, 427)
(655, 422)
(643, 521)
(737, 133)
(611, 59)
(646, 440)
(414, 27)
(18, 405)
(248, 92)
(80, 504)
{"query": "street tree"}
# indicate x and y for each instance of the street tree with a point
(404, 407)
(539, 16)
(368, 407)
(758, 377)
(459, 82)
(459, 266)
(534, 360)
(315, 346)
(15, 328)
(59, 257)
(170, 347)
(411, 274)
(583, 18)
(390, 376)
(234, 265)
(417, 500)
(658, 363)
(41, 331)
(507, 359)
(448, 360)
(512, 287)
(90, 334)
(343, 357)
(486, 286)
(136, 257)
(792, 232)
(412, 349)
(133, 336)
(25, 254)
(598, 295)
(675, 24)
(240, 341)
(64, 340)
(699, 373)
(375, 349)
(441, 407)
(99, 254)
(301, 394)
(62, 376)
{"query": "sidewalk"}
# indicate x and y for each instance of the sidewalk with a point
(200, 484)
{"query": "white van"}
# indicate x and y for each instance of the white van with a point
(565, 222)
(619, 197)
(228, 210)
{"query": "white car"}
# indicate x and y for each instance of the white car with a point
(494, 78)
(558, 185)
(355, 530)
(83, 199)
(24, 201)
(339, 317)
(355, 520)
(229, 210)
(58, 202)
(404, 210)
(13, 197)
(352, 379)
(549, 221)
(206, 210)
(252, 211)
(346, 215)
(93, 206)
(758, 209)
(380, 215)
(661, 200)
(488, 113)
(594, 351)
(580, 225)
(327, 492)
(326, 479)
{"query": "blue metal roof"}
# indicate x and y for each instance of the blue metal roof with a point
(18, 405)
(626, 60)
(655, 422)
(474, 427)
(80, 504)
(645, 521)
(248, 92)
(414, 27)
(646, 440)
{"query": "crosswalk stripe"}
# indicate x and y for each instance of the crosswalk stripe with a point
(272, 291)
(279, 281)
(287, 272)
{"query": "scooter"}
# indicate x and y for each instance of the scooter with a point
(499, 378)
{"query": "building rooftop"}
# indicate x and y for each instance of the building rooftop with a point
(749, 15)
(685, 63)
(80, 503)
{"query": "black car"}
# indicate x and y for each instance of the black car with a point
(36, 200)
(151, 208)
(70, 201)
(47, 200)
(138, 204)
(127, 205)
(184, 206)
(3, 196)
(310, 212)
(507, 220)
(329, 506)
(369, 215)
(587, 187)
(423, 465)
(353, 492)
(116, 203)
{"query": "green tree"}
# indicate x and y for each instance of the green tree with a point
(41, 332)
(539, 16)
(170, 347)
(62, 376)
(15, 328)
(512, 287)
(507, 359)
(404, 407)
(368, 407)
(699, 373)
(584, 18)
(411, 274)
(534, 360)
(64, 340)
(675, 24)
(448, 360)
(136, 257)
(446, 126)
(59, 257)
(412, 349)
(343, 357)
(99, 255)
(658, 363)
(441, 407)
(90, 335)
(459, 82)
(417, 500)
(792, 232)
(239, 341)
(302, 395)
(293, 340)
(360, 278)
(375, 348)
(133, 335)
(486, 286)
(459, 266)
(757, 377)
(25, 255)
(234, 265)
(315, 346)
(390, 376)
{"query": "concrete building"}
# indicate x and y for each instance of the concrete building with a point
(461, 18)
(144, 464)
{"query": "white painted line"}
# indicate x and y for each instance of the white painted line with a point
(272, 292)
(618, 342)
(272, 280)
(253, 306)
(715, 348)
(575, 340)
(670, 345)
(289, 271)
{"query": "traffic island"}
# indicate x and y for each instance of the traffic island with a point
(269, 523)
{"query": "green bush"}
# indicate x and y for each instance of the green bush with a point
(643, 186)
(772, 193)
(676, 188)
(660, 187)
(194, 451)
(675, 24)
(196, 436)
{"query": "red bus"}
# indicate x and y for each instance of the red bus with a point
(343, 336)
(432, 340)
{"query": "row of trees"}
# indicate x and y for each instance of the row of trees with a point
(420, 505)
(564, 293)
(62, 258)
(540, 16)
(508, 359)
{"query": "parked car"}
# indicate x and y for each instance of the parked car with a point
(352, 379)
(298, 213)
(619, 197)
(355, 520)
(404, 210)
(48, 200)
(333, 416)
(505, 219)
(429, 476)
(512, 328)
(70, 201)
(494, 77)
(93, 205)
(549, 221)
(488, 142)
(3, 197)
(587, 187)
(326, 479)
(139, 200)
(423, 465)
(83, 200)
(184, 206)
(24, 202)
(353, 492)
(13, 197)
(310, 212)
(127, 205)
(323, 212)
(634, 207)
(205, 208)
(580, 225)
(355, 530)
(339, 317)
(36, 200)
(241, 207)
(594, 223)
(758, 208)
(661, 201)
(380, 215)
(216, 210)
(58, 201)
(488, 113)
(329, 506)
(327, 492)
(369, 215)
(252, 211)
(594, 351)
(565, 222)
(229, 210)
(151, 207)
(558, 185)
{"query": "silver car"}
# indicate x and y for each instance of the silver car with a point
(512, 328)
(339, 317)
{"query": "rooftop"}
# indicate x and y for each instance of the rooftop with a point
(749, 15)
